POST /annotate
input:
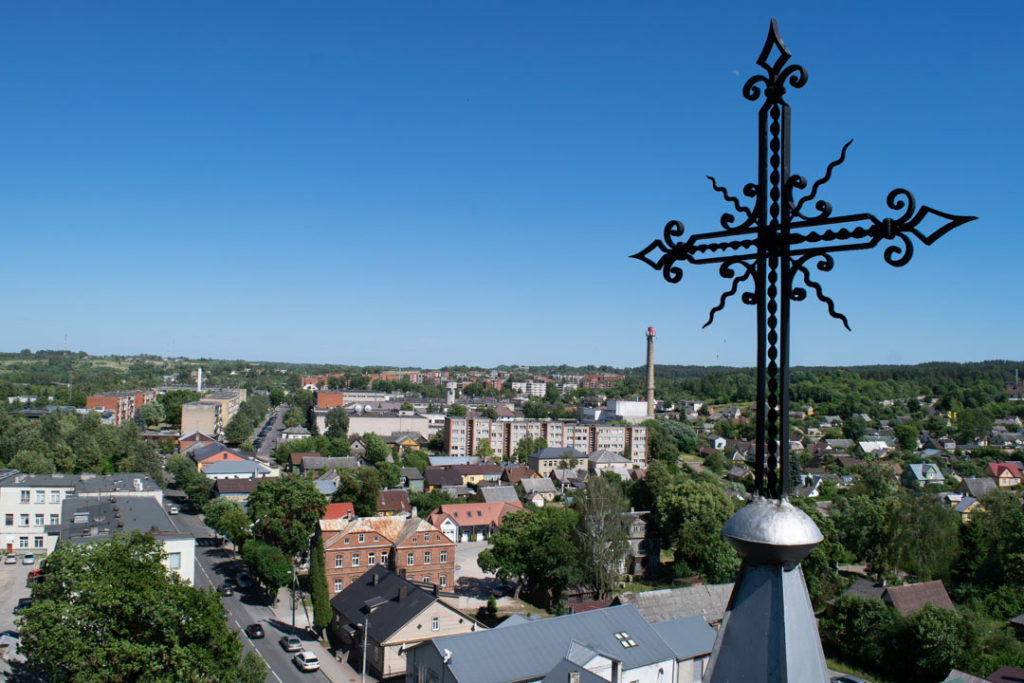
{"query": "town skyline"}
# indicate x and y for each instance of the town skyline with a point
(461, 185)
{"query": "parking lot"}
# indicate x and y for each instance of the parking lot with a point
(12, 589)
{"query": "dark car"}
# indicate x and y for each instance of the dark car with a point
(23, 603)
(254, 631)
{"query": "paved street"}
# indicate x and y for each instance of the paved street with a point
(270, 440)
(213, 565)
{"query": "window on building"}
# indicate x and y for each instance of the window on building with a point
(23, 541)
(384, 559)
(337, 585)
(54, 496)
(9, 519)
(355, 559)
(410, 559)
(435, 624)
(362, 537)
(174, 560)
(39, 519)
(442, 580)
(40, 496)
(54, 519)
(444, 556)
(426, 557)
(37, 542)
(426, 578)
(339, 561)
(371, 558)
(23, 520)
(26, 496)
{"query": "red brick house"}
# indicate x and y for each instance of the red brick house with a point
(409, 546)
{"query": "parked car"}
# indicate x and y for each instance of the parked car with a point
(28, 558)
(226, 589)
(174, 509)
(244, 580)
(291, 643)
(306, 661)
(22, 604)
(254, 631)
(11, 559)
(33, 576)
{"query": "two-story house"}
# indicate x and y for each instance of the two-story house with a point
(409, 546)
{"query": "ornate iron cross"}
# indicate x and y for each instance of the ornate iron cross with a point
(778, 240)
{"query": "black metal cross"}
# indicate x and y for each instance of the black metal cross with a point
(778, 240)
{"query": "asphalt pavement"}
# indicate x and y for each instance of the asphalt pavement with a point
(215, 563)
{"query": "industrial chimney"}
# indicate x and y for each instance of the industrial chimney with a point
(650, 372)
(199, 378)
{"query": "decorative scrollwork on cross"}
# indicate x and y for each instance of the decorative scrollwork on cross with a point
(777, 241)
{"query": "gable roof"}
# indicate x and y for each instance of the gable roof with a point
(250, 467)
(235, 486)
(606, 457)
(296, 458)
(999, 469)
(864, 588)
(544, 485)
(500, 494)
(441, 476)
(912, 597)
(389, 599)
(515, 473)
(473, 514)
(552, 452)
(393, 500)
(979, 487)
(497, 656)
(206, 451)
(338, 510)
(708, 601)
(410, 473)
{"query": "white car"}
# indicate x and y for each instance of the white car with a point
(28, 558)
(11, 559)
(306, 661)
(173, 510)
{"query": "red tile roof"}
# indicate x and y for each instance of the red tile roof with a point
(473, 514)
(996, 469)
(339, 510)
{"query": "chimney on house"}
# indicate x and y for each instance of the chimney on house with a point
(401, 593)
(376, 578)
(650, 372)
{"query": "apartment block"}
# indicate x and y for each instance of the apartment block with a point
(212, 413)
(463, 435)
(122, 404)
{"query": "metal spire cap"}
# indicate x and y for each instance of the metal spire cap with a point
(769, 531)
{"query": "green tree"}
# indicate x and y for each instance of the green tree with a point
(490, 412)
(602, 535)
(33, 462)
(436, 441)
(268, 564)
(691, 515)
(361, 487)
(322, 612)
(153, 413)
(484, 450)
(406, 406)
(854, 427)
(110, 611)
(457, 410)
(337, 423)
(534, 547)
(284, 512)
(906, 435)
(428, 501)
(172, 402)
(228, 518)
(376, 450)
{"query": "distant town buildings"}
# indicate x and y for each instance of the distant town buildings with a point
(122, 404)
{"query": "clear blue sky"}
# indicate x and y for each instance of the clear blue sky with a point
(420, 183)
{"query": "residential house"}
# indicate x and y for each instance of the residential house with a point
(1005, 474)
(193, 439)
(391, 615)
(611, 644)
(236, 469)
(605, 461)
(314, 462)
(544, 461)
(407, 545)
(405, 441)
(538, 491)
(440, 478)
(294, 434)
(472, 475)
(340, 511)
(572, 478)
(500, 494)
(911, 597)
(411, 478)
(513, 474)
(978, 487)
(717, 442)
(692, 641)
(965, 506)
(464, 522)
(394, 502)
(206, 455)
(235, 489)
(922, 474)
(644, 556)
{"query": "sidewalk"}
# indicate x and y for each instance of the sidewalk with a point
(337, 671)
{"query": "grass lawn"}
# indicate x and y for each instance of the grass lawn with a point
(840, 667)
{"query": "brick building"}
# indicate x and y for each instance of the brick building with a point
(122, 404)
(409, 546)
